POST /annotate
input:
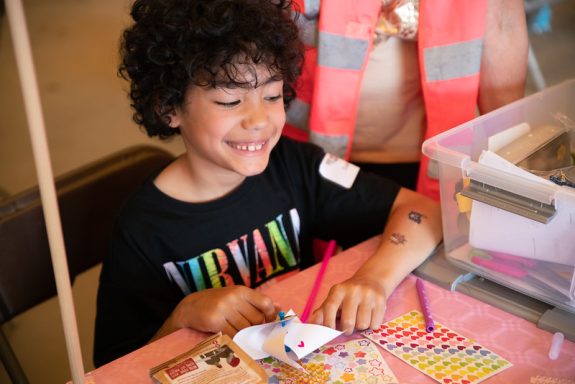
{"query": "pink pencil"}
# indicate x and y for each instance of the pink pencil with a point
(330, 250)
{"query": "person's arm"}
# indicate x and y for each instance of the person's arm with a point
(412, 232)
(504, 57)
(228, 309)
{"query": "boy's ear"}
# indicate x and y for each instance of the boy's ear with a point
(170, 117)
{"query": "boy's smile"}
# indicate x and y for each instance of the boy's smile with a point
(230, 132)
(250, 147)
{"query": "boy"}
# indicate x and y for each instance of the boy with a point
(242, 205)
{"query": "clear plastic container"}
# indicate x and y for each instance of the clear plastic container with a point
(501, 220)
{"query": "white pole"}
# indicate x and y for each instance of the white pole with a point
(37, 130)
(535, 71)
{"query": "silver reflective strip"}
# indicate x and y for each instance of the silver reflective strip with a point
(311, 8)
(452, 61)
(308, 31)
(336, 145)
(433, 169)
(298, 114)
(342, 52)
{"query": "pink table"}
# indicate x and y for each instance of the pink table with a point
(515, 339)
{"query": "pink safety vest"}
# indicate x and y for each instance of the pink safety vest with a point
(450, 38)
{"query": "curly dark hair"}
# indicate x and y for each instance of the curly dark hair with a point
(176, 43)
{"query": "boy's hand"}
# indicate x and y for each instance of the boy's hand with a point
(227, 309)
(359, 301)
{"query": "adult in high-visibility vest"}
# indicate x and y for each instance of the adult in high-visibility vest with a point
(376, 103)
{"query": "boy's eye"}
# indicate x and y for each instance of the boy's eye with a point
(228, 104)
(274, 98)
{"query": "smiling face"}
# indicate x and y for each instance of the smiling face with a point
(228, 131)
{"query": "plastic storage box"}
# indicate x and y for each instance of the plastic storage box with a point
(507, 200)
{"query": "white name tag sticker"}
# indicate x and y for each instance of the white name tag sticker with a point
(338, 170)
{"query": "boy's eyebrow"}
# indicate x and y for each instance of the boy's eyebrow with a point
(233, 84)
(271, 79)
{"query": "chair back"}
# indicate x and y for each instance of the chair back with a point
(89, 199)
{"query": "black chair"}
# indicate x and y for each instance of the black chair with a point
(89, 199)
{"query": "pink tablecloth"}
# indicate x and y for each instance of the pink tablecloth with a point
(515, 339)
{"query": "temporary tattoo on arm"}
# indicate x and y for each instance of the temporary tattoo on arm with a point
(397, 238)
(416, 216)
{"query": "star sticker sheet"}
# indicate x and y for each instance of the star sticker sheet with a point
(443, 354)
(355, 361)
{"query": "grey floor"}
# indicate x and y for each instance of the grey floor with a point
(87, 116)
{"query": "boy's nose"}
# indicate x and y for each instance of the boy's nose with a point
(256, 117)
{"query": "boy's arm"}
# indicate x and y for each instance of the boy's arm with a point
(412, 232)
(227, 309)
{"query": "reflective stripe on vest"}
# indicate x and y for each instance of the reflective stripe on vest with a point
(336, 51)
(335, 144)
(298, 114)
(452, 61)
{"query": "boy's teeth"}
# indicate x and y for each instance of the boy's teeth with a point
(249, 148)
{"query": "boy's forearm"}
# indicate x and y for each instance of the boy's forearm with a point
(413, 231)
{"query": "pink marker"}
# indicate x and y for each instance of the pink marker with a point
(429, 324)
(330, 250)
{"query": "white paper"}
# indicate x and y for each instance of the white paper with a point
(261, 341)
(252, 339)
(274, 345)
(495, 229)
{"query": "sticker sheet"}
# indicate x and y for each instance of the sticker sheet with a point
(355, 361)
(443, 354)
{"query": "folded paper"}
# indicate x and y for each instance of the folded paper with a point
(287, 342)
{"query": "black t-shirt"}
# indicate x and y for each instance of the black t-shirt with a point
(163, 248)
